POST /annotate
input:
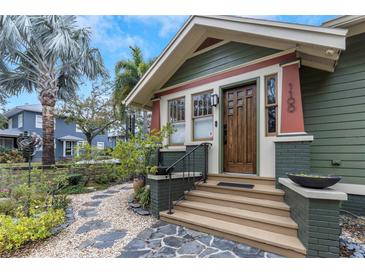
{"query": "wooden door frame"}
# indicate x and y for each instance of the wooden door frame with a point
(222, 89)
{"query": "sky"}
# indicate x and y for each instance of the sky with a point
(114, 34)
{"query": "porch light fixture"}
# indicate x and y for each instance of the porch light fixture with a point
(214, 100)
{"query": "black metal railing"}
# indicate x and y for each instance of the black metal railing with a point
(188, 163)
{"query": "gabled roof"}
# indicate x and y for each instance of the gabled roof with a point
(318, 47)
(70, 138)
(354, 23)
(10, 132)
(32, 108)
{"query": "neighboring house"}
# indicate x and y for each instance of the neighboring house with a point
(29, 118)
(271, 98)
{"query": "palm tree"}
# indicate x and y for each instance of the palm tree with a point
(127, 74)
(49, 55)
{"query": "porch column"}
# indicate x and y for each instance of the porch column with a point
(155, 121)
(292, 120)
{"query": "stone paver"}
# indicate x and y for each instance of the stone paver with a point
(100, 196)
(92, 225)
(164, 240)
(92, 203)
(89, 212)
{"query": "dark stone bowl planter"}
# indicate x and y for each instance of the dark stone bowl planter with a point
(314, 181)
(161, 170)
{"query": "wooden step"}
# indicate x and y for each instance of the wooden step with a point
(269, 222)
(284, 245)
(241, 178)
(259, 191)
(240, 202)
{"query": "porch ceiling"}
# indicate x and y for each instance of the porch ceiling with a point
(318, 47)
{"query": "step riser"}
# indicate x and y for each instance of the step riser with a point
(262, 246)
(249, 194)
(242, 180)
(241, 221)
(256, 208)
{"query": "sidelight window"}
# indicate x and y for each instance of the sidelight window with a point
(176, 109)
(271, 104)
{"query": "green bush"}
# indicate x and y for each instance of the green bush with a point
(8, 206)
(74, 179)
(10, 156)
(143, 196)
(16, 232)
(60, 201)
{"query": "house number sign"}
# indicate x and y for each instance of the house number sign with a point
(291, 99)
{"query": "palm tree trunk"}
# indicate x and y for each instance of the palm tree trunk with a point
(48, 157)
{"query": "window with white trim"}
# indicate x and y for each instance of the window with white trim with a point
(10, 123)
(78, 129)
(202, 117)
(68, 149)
(176, 109)
(38, 121)
(100, 145)
(7, 143)
(20, 120)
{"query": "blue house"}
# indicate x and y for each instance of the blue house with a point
(67, 135)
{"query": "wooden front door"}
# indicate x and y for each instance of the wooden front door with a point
(240, 129)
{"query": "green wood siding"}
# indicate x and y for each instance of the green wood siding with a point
(334, 112)
(217, 59)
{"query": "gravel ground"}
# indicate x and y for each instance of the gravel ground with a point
(112, 210)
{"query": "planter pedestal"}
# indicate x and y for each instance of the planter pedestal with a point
(316, 211)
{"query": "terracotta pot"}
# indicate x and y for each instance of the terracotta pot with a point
(137, 184)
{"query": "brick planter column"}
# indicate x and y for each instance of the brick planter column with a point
(316, 211)
(159, 185)
(292, 155)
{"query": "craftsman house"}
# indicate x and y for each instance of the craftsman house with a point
(269, 98)
(67, 135)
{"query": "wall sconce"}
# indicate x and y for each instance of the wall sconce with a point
(214, 100)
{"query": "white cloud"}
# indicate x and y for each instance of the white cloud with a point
(108, 34)
(168, 23)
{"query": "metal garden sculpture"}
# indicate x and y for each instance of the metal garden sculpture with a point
(29, 144)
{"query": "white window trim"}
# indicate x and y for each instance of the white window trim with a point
(10, 123)
(64, 149)
(78, 129)
(38, 120)
(99, 143)
(20, 120)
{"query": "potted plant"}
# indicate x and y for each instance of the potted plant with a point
(134, 155)
(313, 180)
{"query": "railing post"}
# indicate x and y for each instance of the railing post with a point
(206, 162)
(170, 194)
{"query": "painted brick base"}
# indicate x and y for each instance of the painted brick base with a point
(355, 204)
(160, 192)
(318, 222)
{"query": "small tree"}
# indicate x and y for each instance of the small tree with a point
(93, 114)
(135, 155)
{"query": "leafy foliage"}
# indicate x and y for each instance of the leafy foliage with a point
(16, 232)
(74, 179)
(93, 114)
(143, 196)
(134, 155)
(10, 156)
(50, 55)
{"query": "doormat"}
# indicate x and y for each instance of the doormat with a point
(250, 186)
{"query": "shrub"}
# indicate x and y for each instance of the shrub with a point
(8, 206)
(74, 179)
(16, 232)
(60, 201)
(143, 196)
(10, 156)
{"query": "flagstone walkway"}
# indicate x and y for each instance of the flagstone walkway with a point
(103, 226)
